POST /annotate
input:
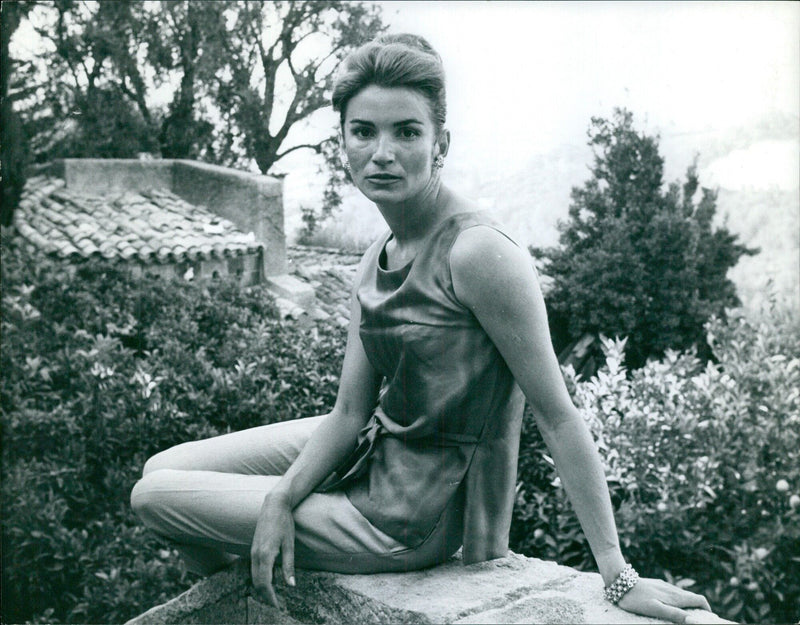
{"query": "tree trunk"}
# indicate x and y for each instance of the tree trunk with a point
(12, 148)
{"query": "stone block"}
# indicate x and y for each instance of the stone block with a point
(515, 589)
(221, 598)
(293, 289)
(258, 613)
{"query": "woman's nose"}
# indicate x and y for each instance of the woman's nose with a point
(384, 151)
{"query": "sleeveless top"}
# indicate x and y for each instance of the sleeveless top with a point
(449, 411)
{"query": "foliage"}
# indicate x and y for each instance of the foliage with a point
(703, 465)
(89, 96)
(264, 37)
(99, 371)
(635, 260)
(222, 82)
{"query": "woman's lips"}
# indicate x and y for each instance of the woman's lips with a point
(383, 179)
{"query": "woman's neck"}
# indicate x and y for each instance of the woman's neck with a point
(412, 221)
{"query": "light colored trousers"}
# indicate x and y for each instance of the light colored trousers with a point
(205, 497)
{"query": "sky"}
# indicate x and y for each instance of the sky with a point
(524, 77)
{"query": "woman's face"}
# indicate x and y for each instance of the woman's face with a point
(390, 140)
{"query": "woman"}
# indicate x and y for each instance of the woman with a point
(448, 336)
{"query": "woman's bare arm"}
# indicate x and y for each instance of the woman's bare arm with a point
(494, 278)
(325, 450)
(336, 435)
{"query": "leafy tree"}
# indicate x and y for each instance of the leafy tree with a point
(262, 40)
(184, 45)
(238, 76)
(12, 148)
(636, 259)
(92, 95)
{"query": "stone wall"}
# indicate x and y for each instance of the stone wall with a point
(245, 270)
(251, 201)
(99, 176)
(515, 589)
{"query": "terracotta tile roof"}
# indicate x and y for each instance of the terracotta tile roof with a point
(331, 273)
(153, 226)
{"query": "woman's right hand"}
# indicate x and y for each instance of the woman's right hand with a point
(328, 447)
(274, 535)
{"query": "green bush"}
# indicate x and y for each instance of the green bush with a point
(99, 371)
(703, 465)
(637, 258)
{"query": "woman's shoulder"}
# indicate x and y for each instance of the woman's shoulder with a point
(479, 232)
(374, 248)
(484, 257)
(485, 220)
(469, 214)
(483, 239)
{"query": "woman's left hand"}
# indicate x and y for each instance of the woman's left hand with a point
(659, 599)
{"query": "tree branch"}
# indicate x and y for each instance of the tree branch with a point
(317, 147)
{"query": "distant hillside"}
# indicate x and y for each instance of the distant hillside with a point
(755, 169)
(531, 200)
(769, 220)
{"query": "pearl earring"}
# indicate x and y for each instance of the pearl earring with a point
(438, 162)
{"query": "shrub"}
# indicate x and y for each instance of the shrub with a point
(635, 259)
(701, 462)
(99, 371)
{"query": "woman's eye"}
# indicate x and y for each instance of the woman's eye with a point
(362, 132)
(409, 133)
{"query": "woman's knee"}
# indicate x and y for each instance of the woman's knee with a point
(142, 493)
(172, 458)
(149, 499)
(153, 463)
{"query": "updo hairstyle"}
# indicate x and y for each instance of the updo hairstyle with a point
(400, 60)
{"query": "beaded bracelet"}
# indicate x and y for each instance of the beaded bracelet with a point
(625, 581)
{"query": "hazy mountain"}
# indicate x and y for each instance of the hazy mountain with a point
(755, 168)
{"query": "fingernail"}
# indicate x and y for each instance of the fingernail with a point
(291, 581)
